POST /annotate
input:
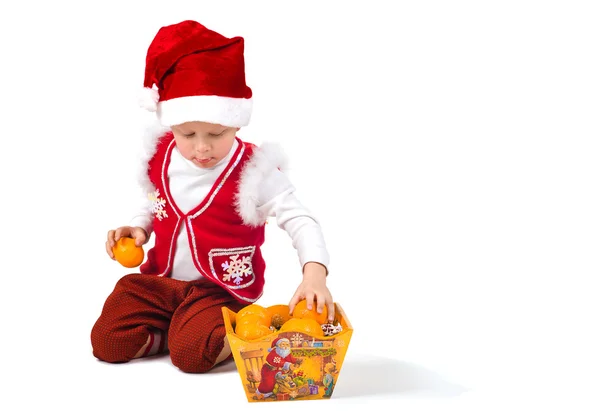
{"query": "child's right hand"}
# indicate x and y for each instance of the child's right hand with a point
(137, 233)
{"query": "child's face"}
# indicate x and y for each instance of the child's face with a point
(205, 144)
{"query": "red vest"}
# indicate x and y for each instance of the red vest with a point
(224, 249)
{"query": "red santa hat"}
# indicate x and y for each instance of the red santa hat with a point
(195, 74)
(276, 342)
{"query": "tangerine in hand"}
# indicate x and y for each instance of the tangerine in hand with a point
(127, 253)
(300, 311)
(303, 325)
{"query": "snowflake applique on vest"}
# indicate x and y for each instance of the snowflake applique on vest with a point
(236, 269)
(232, 266)
(157, 205)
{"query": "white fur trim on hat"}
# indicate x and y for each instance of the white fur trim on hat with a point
(150, 138)
(263, 160)
(148, 98)
(226, 111)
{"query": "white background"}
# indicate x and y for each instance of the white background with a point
(450, 150)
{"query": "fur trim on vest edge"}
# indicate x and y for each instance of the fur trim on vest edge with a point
(264, 159)
(150, 137)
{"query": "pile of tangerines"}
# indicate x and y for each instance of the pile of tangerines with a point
(255, 321)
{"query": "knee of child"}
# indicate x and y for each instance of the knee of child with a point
(101, 348)
(198, 356)
(128, 279)
(107, 346)
(190, 362)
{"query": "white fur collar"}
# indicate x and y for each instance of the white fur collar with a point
(263, 160)
(150, 138)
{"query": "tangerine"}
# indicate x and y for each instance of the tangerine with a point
(300, 311)
(251, 330)
(254, 310)
(127, 253)
(253, 319)
(305, 325)
(279, 314)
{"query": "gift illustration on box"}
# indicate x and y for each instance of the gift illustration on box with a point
(289, 365)
(282, 371)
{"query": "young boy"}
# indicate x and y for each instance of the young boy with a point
(210, 194)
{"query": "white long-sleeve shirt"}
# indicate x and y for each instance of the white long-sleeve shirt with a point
(189, 184)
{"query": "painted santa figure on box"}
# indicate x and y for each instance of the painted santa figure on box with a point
(278, 360)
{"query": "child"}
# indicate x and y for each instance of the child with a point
(210, 194)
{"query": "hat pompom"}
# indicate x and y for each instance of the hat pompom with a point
(148, 98)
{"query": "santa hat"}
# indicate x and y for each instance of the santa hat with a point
(276, 342)
(195, 74)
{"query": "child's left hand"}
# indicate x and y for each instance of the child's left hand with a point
(313, 287)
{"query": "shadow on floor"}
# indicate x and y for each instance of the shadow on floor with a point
(379, 376)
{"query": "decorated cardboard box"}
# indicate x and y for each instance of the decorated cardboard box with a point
(311, 371)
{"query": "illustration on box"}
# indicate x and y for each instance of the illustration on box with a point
(295, 360)
(294, 366)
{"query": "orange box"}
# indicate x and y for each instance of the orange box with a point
(313, 379)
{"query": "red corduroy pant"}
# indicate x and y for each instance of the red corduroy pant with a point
(189, 312)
